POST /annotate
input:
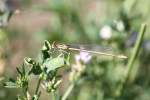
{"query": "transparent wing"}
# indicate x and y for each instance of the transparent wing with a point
(96, 49)
(92, 47)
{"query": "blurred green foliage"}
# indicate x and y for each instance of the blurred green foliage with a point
(81, 21)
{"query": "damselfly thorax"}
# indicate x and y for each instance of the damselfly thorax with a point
(69, 47)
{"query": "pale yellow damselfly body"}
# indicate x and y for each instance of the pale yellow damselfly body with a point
(68, 47)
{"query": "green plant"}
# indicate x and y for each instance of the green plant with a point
(51, 60)
(44, 69)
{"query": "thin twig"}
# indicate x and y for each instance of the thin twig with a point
(68, 91)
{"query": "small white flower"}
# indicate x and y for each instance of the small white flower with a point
(106, 32)
(120, 26)
(83, 56)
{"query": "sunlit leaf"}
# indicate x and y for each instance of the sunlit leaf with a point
(54, 63)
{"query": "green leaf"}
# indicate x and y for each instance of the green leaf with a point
(129, 4)
(46, 50)
(47, 45)
(54, 63)
(10, 84)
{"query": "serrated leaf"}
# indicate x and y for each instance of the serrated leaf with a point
(10, 85)
(54, 63)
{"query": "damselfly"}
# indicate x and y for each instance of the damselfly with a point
(69, 47)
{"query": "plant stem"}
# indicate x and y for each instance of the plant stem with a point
(68, 91)
(28, 95)
(53, 96)
(37, 87)
(136, 50)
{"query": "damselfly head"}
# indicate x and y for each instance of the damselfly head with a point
(59, 46)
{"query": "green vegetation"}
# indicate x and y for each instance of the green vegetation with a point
(57, 73)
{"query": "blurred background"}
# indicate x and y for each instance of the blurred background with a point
(110, 23)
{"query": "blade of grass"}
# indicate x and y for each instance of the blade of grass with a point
(135, 52)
